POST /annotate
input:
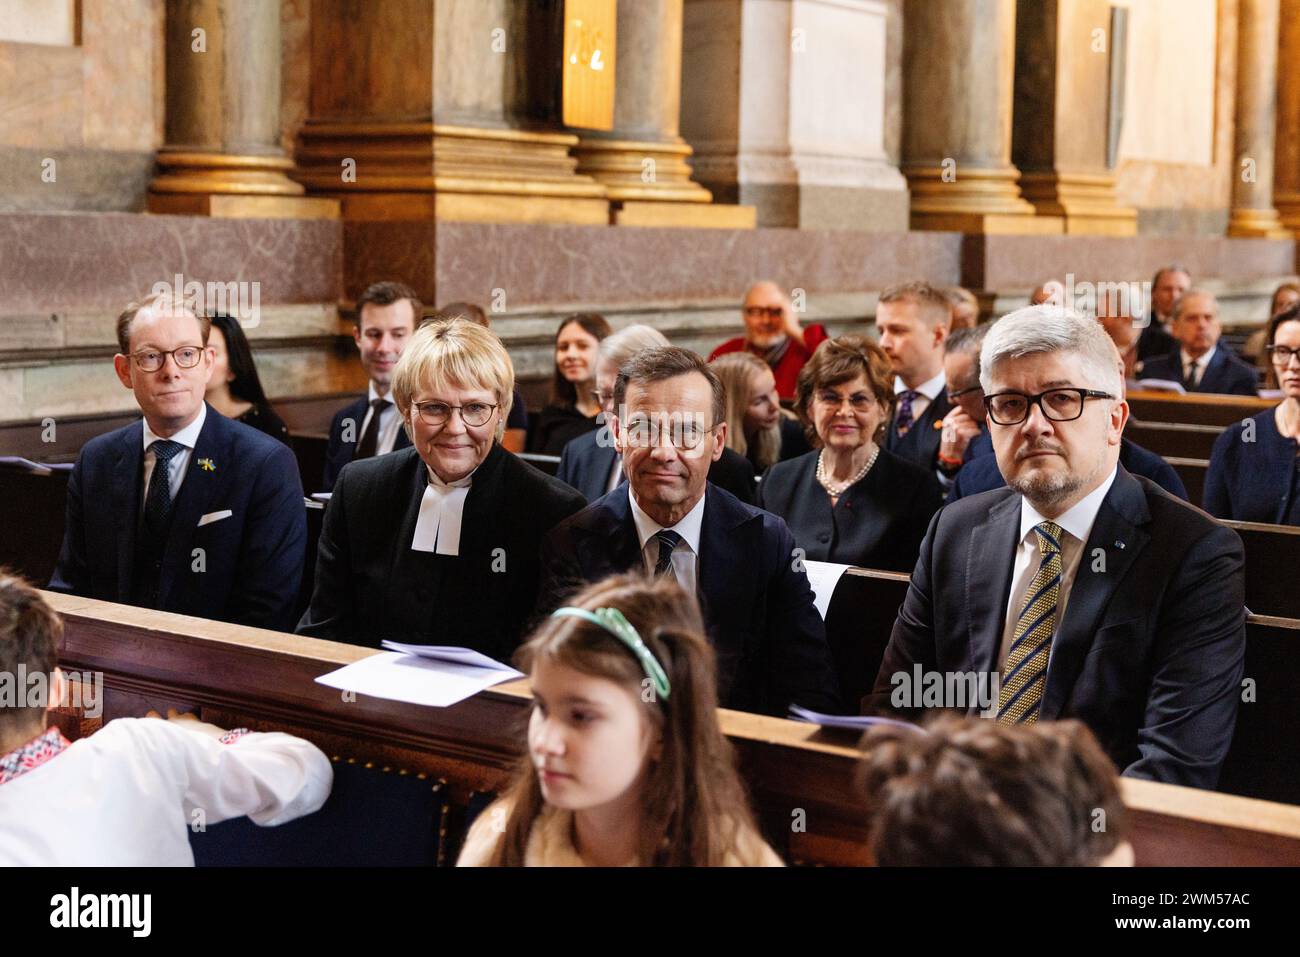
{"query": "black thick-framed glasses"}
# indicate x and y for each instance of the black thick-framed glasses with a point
(151, 360)
(473, 413)
(1281, 355)
(1059, 405)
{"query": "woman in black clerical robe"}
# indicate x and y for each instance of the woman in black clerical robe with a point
(852, 501)
(439, 543)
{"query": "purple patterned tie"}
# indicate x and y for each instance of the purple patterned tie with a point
(904, 419)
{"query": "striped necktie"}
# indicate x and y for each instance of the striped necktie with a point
(668, 540)
(1024, 674)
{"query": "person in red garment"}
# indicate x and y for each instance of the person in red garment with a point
(773, 333)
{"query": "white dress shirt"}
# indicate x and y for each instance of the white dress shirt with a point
(180, 463)
(128, 794)
(389, 421)
(1076, 525)
(686, 556)
(929, 390)
(437, 529)
(1201, 364)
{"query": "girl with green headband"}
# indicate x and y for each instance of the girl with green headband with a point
(625, 763)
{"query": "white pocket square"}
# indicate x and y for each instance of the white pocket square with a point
(214, 517)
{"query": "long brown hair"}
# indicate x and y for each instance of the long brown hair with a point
(563, 392)
(736, 370)
(694, 807)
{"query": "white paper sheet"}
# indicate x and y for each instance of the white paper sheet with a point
(1162, 385)
(852, 721)
(823, 576)
(415, 679)
(458, 656)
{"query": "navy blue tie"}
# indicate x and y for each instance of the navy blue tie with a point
(158, 499)
(668, 540)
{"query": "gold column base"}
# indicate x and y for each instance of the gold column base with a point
(231, 186)
(975, 200)
(1287, 205)
(1084, 201)
(1248, 223)
(640, 170)
(685, 215)
(421, 171)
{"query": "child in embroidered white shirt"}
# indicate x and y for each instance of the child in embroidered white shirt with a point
(626, 764)
(127, 794)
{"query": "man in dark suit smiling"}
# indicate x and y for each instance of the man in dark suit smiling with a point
(668, 519)
(185, 511)
(1090, 593)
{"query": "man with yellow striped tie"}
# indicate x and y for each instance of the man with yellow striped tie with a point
(1079, 591)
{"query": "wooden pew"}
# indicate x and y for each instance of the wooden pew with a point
(1176, 439)
(264, 680)
(1196, 409)
(1272, 568)
(32, 518)
(1192, 472)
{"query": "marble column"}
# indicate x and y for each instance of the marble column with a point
(959, 70)
(222, 155)
(1252, 212)
(1286, 146)
(642, 160)
(784, 103)
(1060, 128)
(455, 119)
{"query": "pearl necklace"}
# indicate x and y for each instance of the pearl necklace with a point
(837, 489)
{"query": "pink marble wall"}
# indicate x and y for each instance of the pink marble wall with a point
(58, 261)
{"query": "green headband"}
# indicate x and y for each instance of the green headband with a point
(612, 620)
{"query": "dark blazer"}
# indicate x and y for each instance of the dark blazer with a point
(877, 523)
(370, 585)
(921, 443)
(981, 474)
(757, 603)
(794, 440)
(252, 562)
(1251, 481)
(586, 461)
(1150, 651)
(340, 452)
(1154, 341)
(1225, 375)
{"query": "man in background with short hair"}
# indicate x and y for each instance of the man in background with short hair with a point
(1198, 362)
(387, 314)
(912, 320)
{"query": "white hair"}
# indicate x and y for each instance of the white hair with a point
(617, 347)
(1039, 330)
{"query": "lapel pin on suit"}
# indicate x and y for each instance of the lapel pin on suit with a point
(207, 465)
(1119, 544)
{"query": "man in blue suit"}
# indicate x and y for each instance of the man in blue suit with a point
(1079, 591)
(668, 519)
(387, 314)
(186, 510)
(1198, 362)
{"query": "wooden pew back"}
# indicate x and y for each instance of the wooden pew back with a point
(265, 680)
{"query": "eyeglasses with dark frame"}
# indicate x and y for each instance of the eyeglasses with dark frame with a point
(151, 360)
(953, 396)
(473, 414)
(858, 402)
(1058, 405)
(769, 312)
(1282, 355)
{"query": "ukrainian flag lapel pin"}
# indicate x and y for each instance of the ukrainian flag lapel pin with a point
(206, 465)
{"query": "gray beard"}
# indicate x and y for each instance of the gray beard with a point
(1046, 492)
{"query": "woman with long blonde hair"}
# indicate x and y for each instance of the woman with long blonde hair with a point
(756, 426)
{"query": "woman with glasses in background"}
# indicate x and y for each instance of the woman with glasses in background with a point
(235, 390)
(852, 501)
(439, 543)
(1254, 473)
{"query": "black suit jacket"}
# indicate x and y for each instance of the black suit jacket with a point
(877, 523)
(757, 603)
(251, 563)
(1149, 654)
(587, 460)
(1225, 375)
(921, 443)
(343, 440)
(370, 585)
(1154, 340)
